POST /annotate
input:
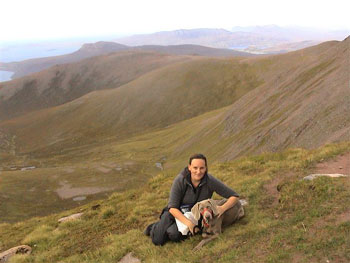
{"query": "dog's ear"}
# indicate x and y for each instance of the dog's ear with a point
(195, 211)
(213, 207)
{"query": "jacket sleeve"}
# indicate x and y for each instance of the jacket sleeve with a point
(220, 188)
(176, 193)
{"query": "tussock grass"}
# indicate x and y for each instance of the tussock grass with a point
(304, 224)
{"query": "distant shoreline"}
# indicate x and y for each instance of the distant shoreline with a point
(6, 75)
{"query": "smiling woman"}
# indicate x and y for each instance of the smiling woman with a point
(192, 185)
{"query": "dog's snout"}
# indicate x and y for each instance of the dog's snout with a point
(207, 215)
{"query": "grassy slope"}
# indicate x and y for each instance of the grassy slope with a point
(304, 102)
(170, 94)
(303, 226)
(63, 83)
(117, 165)
(56, 139)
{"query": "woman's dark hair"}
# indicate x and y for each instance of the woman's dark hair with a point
(198, 156)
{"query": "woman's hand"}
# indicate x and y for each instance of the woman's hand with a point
(229, 203)
(221, 210)
(192, 228)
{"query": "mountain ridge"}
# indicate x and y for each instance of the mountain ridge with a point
(63, 83)
(26, 67)
(294, 84)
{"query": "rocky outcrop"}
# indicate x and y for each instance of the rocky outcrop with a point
(313, 176)
(23, 249)
(129, 258)
(69, 218)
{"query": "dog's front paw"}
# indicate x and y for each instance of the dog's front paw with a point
(199, 246)
(205, 235)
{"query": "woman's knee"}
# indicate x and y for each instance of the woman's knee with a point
(174, 234)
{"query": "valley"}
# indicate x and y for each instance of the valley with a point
(106, 135)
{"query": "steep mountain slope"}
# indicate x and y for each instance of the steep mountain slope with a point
(64, 83)
(295, 99)
(159, 98)
(304, 102)
(306, 105)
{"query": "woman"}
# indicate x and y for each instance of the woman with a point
(192, 185)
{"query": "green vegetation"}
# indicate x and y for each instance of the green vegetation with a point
(100, 154)
(302, 220)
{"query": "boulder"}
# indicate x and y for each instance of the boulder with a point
(71, 217)
(23, 249)
(129, 258)
(313, 176)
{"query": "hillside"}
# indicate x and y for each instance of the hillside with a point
(170, 94)
(225, 108)
(27, 67)
(64, 83)
(304, 103)
(304, 106)
(194, 50)
(282, 48)
(287, 219)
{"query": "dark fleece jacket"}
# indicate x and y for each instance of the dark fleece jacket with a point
(183, 193)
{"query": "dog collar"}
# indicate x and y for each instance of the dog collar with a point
(203, 220)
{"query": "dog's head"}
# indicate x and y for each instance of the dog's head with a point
(206, 208)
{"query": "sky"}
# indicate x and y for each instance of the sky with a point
(57, 19)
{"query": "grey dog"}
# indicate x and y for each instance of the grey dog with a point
(212, 224)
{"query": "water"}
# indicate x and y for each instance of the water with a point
(23, 52)
(5, 75)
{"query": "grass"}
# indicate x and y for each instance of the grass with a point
(302, 226)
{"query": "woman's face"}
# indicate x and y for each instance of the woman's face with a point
(197, 169)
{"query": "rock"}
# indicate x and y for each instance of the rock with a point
(71, 217)
(313, 176)
(160, 166)
(23, 249)
(94, 207)
(28, 168)
(129, 258)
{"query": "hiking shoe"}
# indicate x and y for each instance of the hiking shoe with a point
(148, 229)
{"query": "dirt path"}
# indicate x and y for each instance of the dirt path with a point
(340, 165)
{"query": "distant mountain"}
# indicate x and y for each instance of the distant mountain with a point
(295, 34)
(257, 39)
(26, 67)
(216, 38)
(282, 48)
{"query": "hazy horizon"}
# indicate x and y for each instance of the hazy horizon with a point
(41, 20)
